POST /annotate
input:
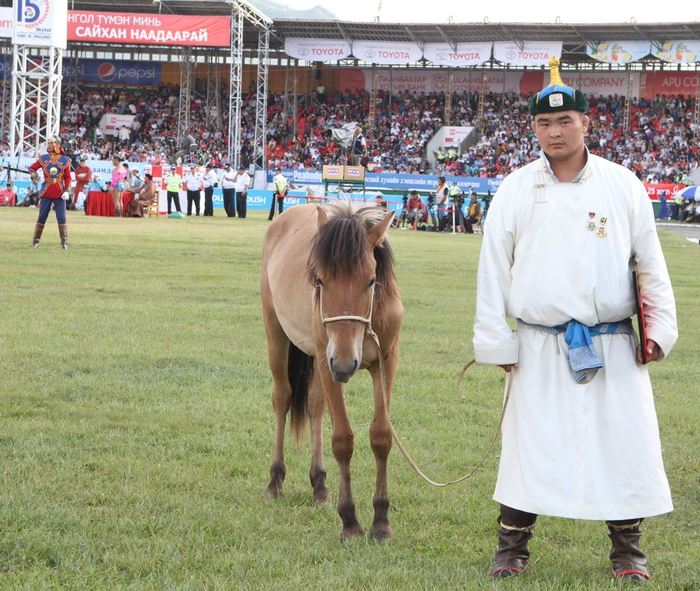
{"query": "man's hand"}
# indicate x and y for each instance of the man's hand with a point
(654, 352)
(507, 368)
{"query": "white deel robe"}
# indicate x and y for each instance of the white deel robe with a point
(588, 451)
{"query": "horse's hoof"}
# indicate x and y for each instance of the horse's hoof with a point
(380, 532)
(273, 492)
(354, 531)
(322, 496)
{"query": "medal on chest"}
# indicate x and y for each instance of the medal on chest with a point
(602, 230)
(590, 226)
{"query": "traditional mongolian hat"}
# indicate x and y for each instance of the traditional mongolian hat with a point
(557, 96)
(54, 139)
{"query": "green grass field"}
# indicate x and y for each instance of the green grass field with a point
(137, 425)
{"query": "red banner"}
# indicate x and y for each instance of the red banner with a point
(655, 84)
(149, 29)
(655, 189)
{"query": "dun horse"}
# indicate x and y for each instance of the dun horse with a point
(327, 281)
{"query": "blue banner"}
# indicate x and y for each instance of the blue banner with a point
(112, 71)
(423, 183)
(101, 71)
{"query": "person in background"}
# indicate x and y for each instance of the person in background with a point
(208, 182)
(96, 183)
(143, 199)
(228, 187)
(8, 196)
(442, 193)
(580, 437)
(193, 184)
(173, 184)
(416, 207)
(359, 146)
(280, 191)
(118, 185)
(57, 178)
(242, 183)
(83, 174)
(134, 181)
(473, 213)
(31, 198)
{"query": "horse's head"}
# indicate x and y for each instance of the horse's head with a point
(343, 267)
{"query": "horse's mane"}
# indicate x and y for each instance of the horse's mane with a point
(339, 247)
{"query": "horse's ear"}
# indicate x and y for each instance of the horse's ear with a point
(322, 217)
(378, 231)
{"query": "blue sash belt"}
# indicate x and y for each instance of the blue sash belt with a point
(584, 363)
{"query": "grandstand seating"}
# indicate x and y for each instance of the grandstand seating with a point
(661, 145)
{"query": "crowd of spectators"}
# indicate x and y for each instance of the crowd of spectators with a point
(662, 143)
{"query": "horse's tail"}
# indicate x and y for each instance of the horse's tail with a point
(300, 368)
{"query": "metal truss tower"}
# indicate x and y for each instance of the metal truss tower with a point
(696, 114)
(185, 103)
(291, 95)
(260, 142)
(240, 10)
(36, 98)
(5, 94)
(213, 98)
(482, 99)
(448, 98)
(628, 102)
(372, 115)
(235, 87)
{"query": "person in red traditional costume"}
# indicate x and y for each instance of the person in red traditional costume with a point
(56, 168)
(83, 176)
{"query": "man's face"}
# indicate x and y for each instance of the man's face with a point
(561, 134)
(51, 147)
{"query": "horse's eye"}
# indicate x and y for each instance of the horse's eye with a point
(318, 282)
(372, 281)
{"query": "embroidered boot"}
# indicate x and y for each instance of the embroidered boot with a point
(512, 554)
(38, 229)
(628, 561)
(63, 231)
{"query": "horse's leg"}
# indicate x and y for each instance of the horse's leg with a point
(343, 442)
(380, 438)
(317, 474)
(278, 353)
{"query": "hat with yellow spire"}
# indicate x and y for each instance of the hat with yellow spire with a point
(557, 96)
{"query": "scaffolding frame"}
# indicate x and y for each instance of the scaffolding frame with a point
(628, 102)
(448, 98)
(5, 94)
(696, 114)
(212, 116)
(187, 65)
(37, 74)
(291, 87)
(242, 10)
(259, 142)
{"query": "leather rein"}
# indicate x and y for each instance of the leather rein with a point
(367, 321)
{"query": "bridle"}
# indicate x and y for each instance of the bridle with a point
(366, 320)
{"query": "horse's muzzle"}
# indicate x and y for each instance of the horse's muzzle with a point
(342, 371)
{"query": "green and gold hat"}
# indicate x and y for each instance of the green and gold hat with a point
(557, 96)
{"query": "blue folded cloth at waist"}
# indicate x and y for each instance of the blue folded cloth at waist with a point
(584, 363)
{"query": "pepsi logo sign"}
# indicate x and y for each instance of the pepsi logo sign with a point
(133, 72)
(107, 72)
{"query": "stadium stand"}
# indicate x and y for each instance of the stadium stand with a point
(661, 146)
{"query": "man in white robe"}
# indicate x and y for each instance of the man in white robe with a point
(577, 442)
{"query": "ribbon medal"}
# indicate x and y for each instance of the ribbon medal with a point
(590, 226)
(602, 231)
